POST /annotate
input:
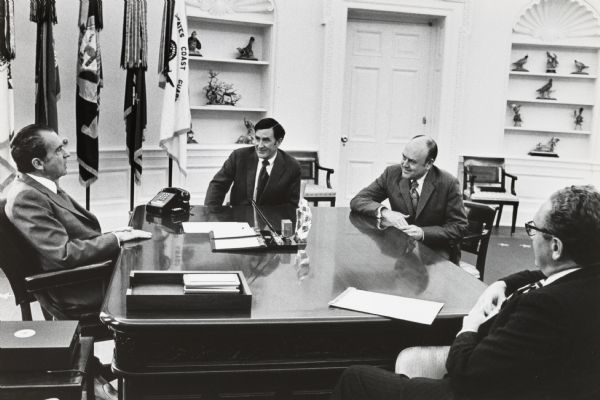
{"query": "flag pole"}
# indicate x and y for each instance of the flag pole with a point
(87, 197)
(131, 183)
(170, 172)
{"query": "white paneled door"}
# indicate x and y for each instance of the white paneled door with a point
(387, 97)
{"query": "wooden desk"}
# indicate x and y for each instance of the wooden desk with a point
(292, 345)
(65, 385)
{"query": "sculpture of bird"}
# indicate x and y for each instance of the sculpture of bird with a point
(519, 63)
(580, 66)
(247, 52)
(544, 91)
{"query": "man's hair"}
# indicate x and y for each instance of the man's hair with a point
(27, 145)
(431, 146)
(268, 123)
(574, 218)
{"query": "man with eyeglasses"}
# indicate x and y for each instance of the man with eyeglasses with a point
(426, 202)
(532, 335)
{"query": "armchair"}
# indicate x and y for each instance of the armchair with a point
(29, 283)
(480, 218)
(310, 167)
(484, 181)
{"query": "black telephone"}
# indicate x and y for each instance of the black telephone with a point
(170, 200)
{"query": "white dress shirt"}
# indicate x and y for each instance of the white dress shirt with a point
(50, 185)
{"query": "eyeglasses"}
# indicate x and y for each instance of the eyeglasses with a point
(530, 228)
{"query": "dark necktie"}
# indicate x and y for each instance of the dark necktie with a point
(414, 194)
(61, 193)
(263, 178)
(527, 288)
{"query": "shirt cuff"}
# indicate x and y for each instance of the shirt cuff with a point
(116, 237)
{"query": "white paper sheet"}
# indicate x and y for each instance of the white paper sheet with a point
(216, 227)
(415, 310)
(238, 243)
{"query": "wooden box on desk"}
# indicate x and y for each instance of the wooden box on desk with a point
(164, 290)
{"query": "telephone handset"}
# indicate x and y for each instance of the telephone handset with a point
(170, 200)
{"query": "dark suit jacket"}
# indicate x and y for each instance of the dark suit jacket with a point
(283, 186)
(64, 235)
(440, 212)
(544, 344)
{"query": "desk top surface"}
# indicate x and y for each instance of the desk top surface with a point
(343, 249)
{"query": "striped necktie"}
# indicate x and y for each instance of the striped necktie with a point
(527, 288)
(414, 194)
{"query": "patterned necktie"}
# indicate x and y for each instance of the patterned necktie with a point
(263, 178)
(526, 289)
(414, 194)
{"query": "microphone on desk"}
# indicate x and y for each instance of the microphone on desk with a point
(276, 237)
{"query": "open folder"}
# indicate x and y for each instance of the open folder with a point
(387, 305)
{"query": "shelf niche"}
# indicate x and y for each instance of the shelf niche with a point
(571, 30)
(222, 27)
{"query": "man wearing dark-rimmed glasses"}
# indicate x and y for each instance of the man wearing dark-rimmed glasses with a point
(531, 335)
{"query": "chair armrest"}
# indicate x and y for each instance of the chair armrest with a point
(475, 235)
(329, 172)
(68, 277)
(513, 178)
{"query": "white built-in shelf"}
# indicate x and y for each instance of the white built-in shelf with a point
(555, 45)
(238, 20)
(228, 109)
(227, 60)
(553, 131)
(555, 102)
(548, 75)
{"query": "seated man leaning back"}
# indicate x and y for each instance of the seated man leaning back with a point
(425, 201)
(63, 233)
(262, 173)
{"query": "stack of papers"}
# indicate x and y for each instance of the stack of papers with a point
(415, 310)
(211, 283)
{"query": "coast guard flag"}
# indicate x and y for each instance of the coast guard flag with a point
(176, 119)
(7, 53)
(47, 82)
(89, 82)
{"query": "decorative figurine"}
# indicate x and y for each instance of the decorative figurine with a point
(551, 62)
(580, 67)
(246, 53)
(519, 64)
(248, 137)
(219, 92)
(545, 91)
(190, 137)
(517, 117)
(545, 150)
(194, 45)
(578, 118)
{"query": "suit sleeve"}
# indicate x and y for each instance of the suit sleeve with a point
(220, 184)
(455, 225)
(32, 214)
(295, 187)
(521, 348)
(369, 199)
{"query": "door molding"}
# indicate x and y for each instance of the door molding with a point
(454, 27)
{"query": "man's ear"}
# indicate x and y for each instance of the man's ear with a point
(557, 248)
(38, 164)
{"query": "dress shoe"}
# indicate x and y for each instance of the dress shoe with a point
(104, 391)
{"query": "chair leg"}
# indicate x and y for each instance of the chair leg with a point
(316, 203)
(332, 203)
(514, 218)
(499, 215)
(26, 312)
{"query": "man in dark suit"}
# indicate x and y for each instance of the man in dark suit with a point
(532, 335)
(426, 202)
(264, 173)
(63, 234)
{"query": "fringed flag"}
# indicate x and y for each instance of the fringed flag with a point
(89, 82)
(134, 58)
(7, 54)
(176, 120)
(47, 82)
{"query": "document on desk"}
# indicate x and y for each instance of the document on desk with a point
(387, 305)
(253, 242)
(221, 229)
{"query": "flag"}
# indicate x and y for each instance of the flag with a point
(135, 117)
(7, 53)
(134, 56)
(89, 82)
(47, 82)
(176, 119)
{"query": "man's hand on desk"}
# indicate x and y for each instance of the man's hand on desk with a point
(492, 298)
(127, 235)
(393, 218)
(413, 231)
